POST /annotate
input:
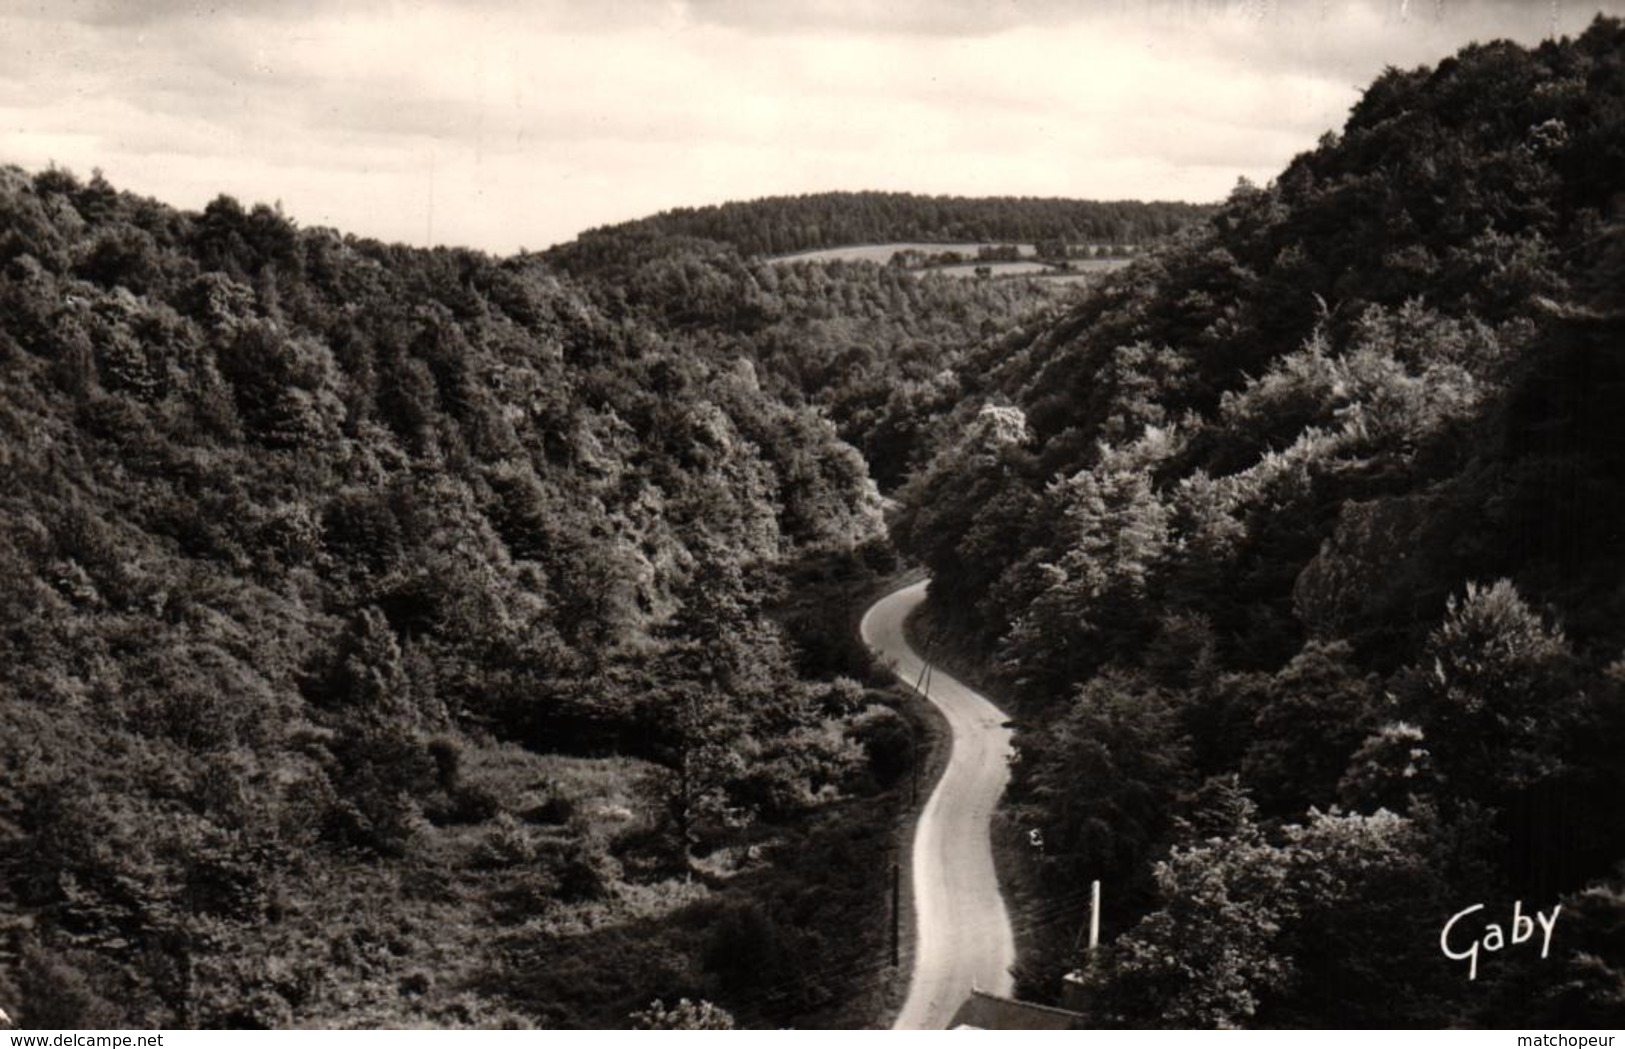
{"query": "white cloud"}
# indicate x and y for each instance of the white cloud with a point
(499, 123)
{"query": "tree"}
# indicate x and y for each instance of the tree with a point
(1316, 711)
(1114, 536)
(1362, 886)
(1583, 985)
(380, 762)
(1301, 930)
(1391, 766)
(1100, 779)
(1499, 695)
(286, 389)
(1210, 955)
(684, 1016)
(712, 683)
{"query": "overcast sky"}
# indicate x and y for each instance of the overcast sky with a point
(509, 123)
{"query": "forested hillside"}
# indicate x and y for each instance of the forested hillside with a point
(400, 637)
(871, 346)
(1298, 547)
(384, 640)
(785, 225)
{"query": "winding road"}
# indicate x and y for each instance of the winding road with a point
(963, 938)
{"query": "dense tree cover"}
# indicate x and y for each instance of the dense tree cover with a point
(684, 1016)
(871, 346)
(785, 225)
(384, 640)
(1297, 546)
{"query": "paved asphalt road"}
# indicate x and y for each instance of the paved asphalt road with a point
(963, 932)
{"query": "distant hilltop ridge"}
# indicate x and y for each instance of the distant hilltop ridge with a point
(789, 224)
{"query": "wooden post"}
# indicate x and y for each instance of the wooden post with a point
(914, 765)
(896, 915)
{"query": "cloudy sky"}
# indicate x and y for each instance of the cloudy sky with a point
(509, 123)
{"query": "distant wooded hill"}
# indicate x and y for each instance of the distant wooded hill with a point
(782, 225)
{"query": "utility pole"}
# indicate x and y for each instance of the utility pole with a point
(1094, 915)
(914, 737)
(1094, 920)
(1074, 985)
(922, 685)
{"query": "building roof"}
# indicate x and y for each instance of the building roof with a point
(990, 1012)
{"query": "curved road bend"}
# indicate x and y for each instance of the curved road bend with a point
(963, 937)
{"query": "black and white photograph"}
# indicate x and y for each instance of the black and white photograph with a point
(1102, 515)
